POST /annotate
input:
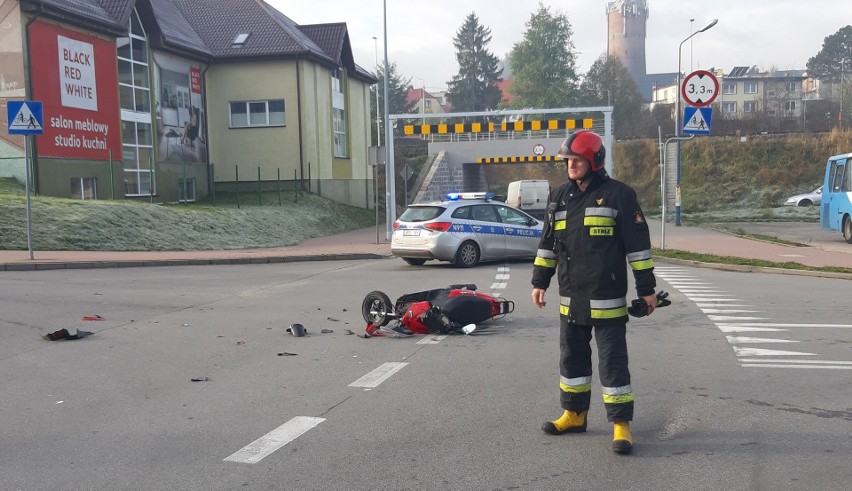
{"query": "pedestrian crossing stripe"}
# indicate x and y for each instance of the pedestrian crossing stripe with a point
(25, 120)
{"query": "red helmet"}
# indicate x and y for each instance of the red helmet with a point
(586, 144)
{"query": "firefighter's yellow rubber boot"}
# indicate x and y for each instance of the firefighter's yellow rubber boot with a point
(570, 422)
(622, 442)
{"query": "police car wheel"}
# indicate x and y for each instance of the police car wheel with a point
(376, 308)
(467, 255)
(414, 261)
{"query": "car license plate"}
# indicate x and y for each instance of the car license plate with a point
(412, 232)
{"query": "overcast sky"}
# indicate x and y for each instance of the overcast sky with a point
(779, 33)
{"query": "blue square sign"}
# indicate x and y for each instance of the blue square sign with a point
(696, 120)
(25, 118)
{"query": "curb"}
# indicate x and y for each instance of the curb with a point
(743, 268)
(45, 266)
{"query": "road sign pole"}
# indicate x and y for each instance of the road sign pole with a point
(27, 162)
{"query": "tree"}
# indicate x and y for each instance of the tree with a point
(474, 88)
(836, 52)
(544, 63)
(398, 90)
(609, 83)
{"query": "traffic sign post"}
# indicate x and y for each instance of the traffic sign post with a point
(700, 88)
(25, 118)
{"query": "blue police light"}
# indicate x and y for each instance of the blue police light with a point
(452, 196)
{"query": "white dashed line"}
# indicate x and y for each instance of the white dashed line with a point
(379, 375)
(255, 451)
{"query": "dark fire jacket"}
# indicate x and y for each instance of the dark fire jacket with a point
(586, 238)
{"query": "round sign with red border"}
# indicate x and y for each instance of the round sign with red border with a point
(700, 88)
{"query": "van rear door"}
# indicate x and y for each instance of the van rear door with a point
(833, 195)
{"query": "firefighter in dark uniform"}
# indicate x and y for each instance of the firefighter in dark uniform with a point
(593, 224)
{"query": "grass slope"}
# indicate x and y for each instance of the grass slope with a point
(68, 224)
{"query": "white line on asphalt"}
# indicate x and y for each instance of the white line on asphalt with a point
(767, 352)
(497, 286)
(762, 365)
(379, 375)
(729, 318)
(255, 451)
(810, 362)
(502, 276)
(745, 328)
(431, 339)
(750, 340)
(774, 324)
(728, 311)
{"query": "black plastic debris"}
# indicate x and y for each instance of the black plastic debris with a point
(285, 353)
(349, 332)
(326, 331)
(63, 335)
(200, 379)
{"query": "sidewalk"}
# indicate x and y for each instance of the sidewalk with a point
(363, 244)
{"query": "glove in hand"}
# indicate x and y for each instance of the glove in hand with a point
(638, 307)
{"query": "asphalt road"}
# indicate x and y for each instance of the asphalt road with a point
(718, 405)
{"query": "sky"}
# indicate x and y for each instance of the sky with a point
(781, 34)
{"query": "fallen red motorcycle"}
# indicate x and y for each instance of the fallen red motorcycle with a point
(456, 309)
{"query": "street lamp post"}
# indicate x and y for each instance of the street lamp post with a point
(390, 175)
(378, 124)
(677, 117)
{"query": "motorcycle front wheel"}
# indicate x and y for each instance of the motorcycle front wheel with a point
(377, 308)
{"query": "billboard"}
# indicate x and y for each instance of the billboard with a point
(75, 76)
(11, 74)
(178, 98)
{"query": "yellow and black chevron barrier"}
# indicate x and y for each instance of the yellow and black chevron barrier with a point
(446, 129)
(516, 160)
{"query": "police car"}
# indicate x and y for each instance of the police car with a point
(465, 229)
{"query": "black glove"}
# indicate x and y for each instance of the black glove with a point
(638, 307)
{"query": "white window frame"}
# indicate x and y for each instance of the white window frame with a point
(729, 88)
(729, 107)
(84, 188)
(793, 87)
(790, 106)
(340, 139)
(186, 189)
(750, 106)
(750, 87)
(267, 118)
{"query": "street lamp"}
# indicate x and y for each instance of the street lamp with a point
(677, 117)
(378, 124)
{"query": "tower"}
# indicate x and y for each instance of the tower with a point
(626, 28)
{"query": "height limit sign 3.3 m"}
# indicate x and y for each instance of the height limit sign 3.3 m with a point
(700, 88)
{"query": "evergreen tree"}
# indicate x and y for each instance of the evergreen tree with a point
(836, 52)
(474, 87)
(398, 90)
(544, 63)
(608, 83)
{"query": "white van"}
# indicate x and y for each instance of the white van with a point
(529, 196)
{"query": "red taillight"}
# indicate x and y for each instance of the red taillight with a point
(438, 226)
(395, 224)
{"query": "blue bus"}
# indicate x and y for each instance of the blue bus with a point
(835, 213)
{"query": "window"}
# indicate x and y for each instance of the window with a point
(790, 106)
(729, 88)
(246, 114)
(750, 106)
(340, 147)
(484, 213)
(84, 188)
(792, 87)
(186, 190)
(750, 87)
(135, 100)
(729, 107)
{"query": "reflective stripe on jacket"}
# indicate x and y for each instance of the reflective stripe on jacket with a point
(589, 238)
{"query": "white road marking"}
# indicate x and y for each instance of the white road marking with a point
(715, 318)
(703, 305)
(745, 328)
(379, 375)
(764, 365)
(502, 268)
(255, 451)
(502, 276)
(809, 362)
(774, 324)
(768, 352)
(749, 340)
(432, 339)
(695, 298)
(728, 311)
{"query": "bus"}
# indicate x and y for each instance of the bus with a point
(835, 213)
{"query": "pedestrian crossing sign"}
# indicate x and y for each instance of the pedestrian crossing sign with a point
(696, 120)
(25, 118)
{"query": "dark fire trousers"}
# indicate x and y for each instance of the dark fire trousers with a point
(575, 366)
